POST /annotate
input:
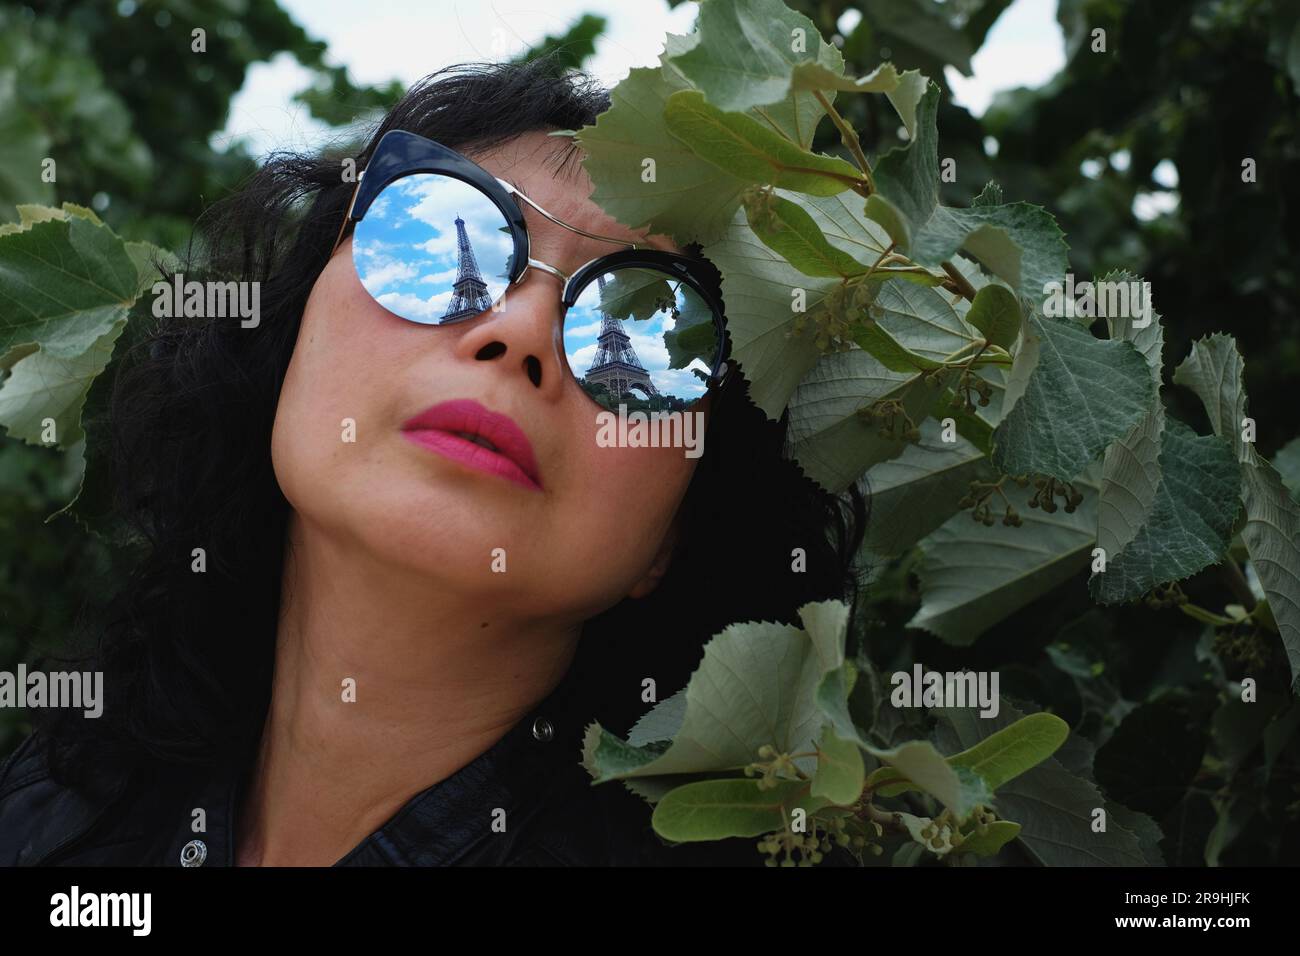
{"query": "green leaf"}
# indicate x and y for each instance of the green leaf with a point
(1130, 476)
(635, 294)
(907, 178)
(689, 198)
(839, 773)
(750, 151)
(790, 231)
(718, 809)
(796, 116)
(843, 225)
(44, 385)
(1271, 534)
(1011, 751)
(759, 286)
(831, 443)
(973, 576)
(748, 50)
(809, 75)
(1055, 808)
(66, 283)
(915, 493)
(692, 335)
(907, 96)
(917, 761)
(63, 284)
(996, 314)
(996, 759)
(764, 683)
(1082, 394)
(755, 686)
(1020, 243)
(914, 328)
(1190, 524)
(989, 843)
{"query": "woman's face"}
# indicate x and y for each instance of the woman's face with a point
(601, 524)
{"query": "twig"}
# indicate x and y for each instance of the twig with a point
(848, 137)
(963, 286)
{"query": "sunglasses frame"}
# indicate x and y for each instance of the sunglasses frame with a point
(401, 153)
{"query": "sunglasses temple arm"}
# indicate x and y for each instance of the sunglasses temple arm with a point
(560, 222)
(347, 217)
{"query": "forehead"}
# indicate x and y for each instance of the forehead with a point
(536, 164)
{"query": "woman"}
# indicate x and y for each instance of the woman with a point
(357, 640)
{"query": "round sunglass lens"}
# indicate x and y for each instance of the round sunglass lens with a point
(433, 249)
(642, 338)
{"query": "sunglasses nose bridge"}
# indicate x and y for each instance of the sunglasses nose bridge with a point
(549, 269)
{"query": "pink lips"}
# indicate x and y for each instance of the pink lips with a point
(510, 457)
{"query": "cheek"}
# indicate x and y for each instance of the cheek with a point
(329, 395)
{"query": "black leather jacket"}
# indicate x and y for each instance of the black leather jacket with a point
(554, 815)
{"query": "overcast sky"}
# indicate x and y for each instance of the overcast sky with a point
(382, 40)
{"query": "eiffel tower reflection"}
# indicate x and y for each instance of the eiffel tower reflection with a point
(469, 291)
(616, 365)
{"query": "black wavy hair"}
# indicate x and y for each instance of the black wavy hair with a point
(187, 658)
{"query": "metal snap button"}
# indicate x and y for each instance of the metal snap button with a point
(194, 853)
(542, 729)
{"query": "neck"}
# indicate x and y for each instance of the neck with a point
(384, 684)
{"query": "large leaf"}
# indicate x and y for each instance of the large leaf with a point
(748, 50)
(689, 197)
(1082, 394)
(1018, 242)
(844, 226)
(1271, 534)
(718, 809)
(973, 576)
(755, 686)
(45, 385)
(915, 493)
(751, 151)
(796, 116)
(995, 836)
(904, 90)
(1055, 808)
(921, 330)
(787, 228)
(66, 283)
(831, 443)
(759, 288)
(764, 683)
(1190, 524)
(916, 761)
(1011, 751)
(1130, 475)
(996, 759)
(995, 313)
(635, 294)
(907, 178)
(839, 775)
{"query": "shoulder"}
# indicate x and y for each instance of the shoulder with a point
(38, 814)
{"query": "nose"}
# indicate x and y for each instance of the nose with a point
(522, 334)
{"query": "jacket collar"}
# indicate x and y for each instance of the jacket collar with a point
(441, 823)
